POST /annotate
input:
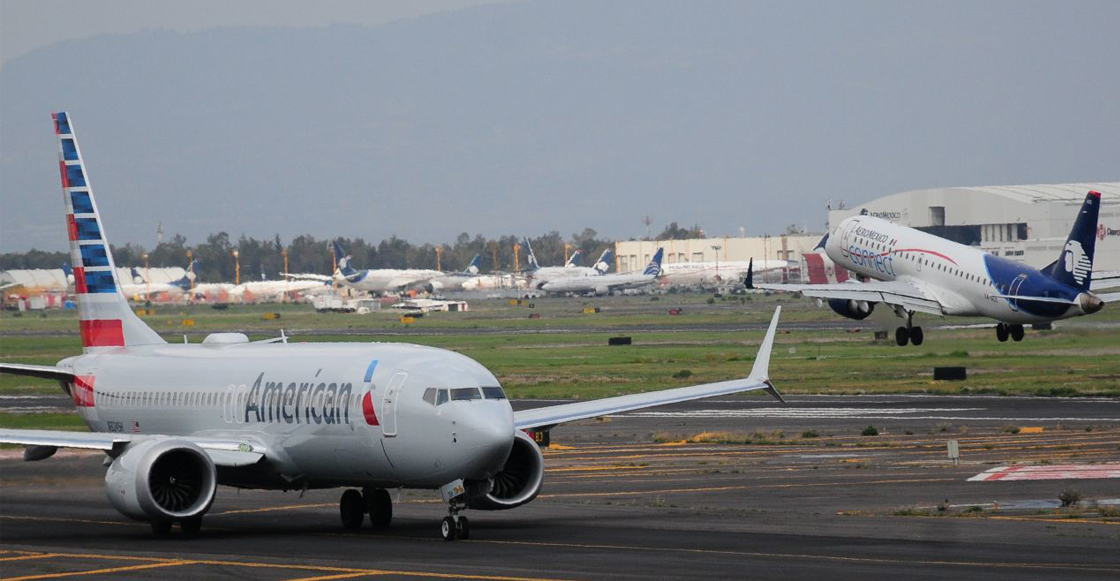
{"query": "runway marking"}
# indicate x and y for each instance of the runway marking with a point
(329, 577)
(794, 556)
(273, 508)
(28, 557)
(99, 571)
(1048, 472)
(342, 572)
(738, 487)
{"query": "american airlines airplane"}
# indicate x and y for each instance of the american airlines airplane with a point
(608, 283)
(913, 272)
(176, 420)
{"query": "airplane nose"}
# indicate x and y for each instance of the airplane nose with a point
(490, 439)
(1090, 303)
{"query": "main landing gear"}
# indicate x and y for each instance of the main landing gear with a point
(355, 505)
(909, 333)
(189, 526)
(1004, 330)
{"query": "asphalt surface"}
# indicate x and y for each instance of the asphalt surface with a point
(627, 497)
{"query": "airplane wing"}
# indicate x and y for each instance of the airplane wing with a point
(310, 276)
(570, 412)
(41, 371)
(897, 292)
(223, 451)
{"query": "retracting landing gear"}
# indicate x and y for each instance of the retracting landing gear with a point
(909, 333)
(373, 501)
(1005, 330)
(454, 526)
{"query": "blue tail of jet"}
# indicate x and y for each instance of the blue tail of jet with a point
(185, 282)
(533, 264)
(1075, 264)
(604, 263)
(474, 266)
(574, 259)
(343, 259)
(654, 267)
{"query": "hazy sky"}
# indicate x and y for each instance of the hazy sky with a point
(29, 24)
(427, 119)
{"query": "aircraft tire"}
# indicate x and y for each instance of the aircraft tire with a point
(1001, 332)
(901, 336)
(351, 509)
(447, 528)
(1017, 332)
(916, 336)
(161, 528)
(191, 526)
(463, 528)
(380, 507)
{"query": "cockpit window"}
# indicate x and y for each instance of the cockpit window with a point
(493, 393)
(441, 397)
(465, 393)
(430, 395)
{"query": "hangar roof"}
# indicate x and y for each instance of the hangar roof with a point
(1074, 192)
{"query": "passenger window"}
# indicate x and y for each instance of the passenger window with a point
(430, 395)
(441, 397)
(465, 394)
(493, 393)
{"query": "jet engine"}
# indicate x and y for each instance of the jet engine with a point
(850, 308)
(162, 480)
(518, 482)
(433, 287)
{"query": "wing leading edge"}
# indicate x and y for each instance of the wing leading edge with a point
(223, 452)
(570, 412)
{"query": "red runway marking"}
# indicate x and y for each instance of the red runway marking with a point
(1053, 472)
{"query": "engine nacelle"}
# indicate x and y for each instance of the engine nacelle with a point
(851, 308)
(433, 287)
(165, 479)
(518, 482)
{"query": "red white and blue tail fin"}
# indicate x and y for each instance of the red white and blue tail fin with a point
(107, 321)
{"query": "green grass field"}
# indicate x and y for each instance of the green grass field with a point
(569, 357)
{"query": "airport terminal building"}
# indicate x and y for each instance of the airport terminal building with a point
(1023, 223)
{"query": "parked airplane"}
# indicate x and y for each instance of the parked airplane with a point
(698, 273)
(918, 272)
(454, 281)
(538, 275)
(176, 420)
(378, 280)
(608, 283)
(140, 290)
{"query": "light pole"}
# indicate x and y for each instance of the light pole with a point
(286, 279)
(236, 267)
(717, 248)
(147, 280)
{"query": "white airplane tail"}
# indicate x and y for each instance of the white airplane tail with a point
(107, 321)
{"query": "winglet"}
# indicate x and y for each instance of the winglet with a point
(761, 369)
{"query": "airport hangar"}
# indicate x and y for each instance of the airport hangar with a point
(1024, 223)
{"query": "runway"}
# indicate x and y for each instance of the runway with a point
(644, 496)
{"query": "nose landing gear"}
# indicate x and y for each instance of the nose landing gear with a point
(454, 526)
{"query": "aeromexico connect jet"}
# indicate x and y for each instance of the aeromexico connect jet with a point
(913, 271)
(176, 420)
(377, 280)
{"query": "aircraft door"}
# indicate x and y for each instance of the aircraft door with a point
(389, 404)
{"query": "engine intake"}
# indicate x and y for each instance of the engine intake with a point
(852, 309)
(162, 479)
(519, 480)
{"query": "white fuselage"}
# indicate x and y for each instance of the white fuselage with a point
(692, 273)
(383, 280)
(964, 279)
(326, 414)
(600, 285)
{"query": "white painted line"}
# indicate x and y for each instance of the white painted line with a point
(1048, 472)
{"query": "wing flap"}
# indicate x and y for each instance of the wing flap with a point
(569, 412)
(896, 292)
